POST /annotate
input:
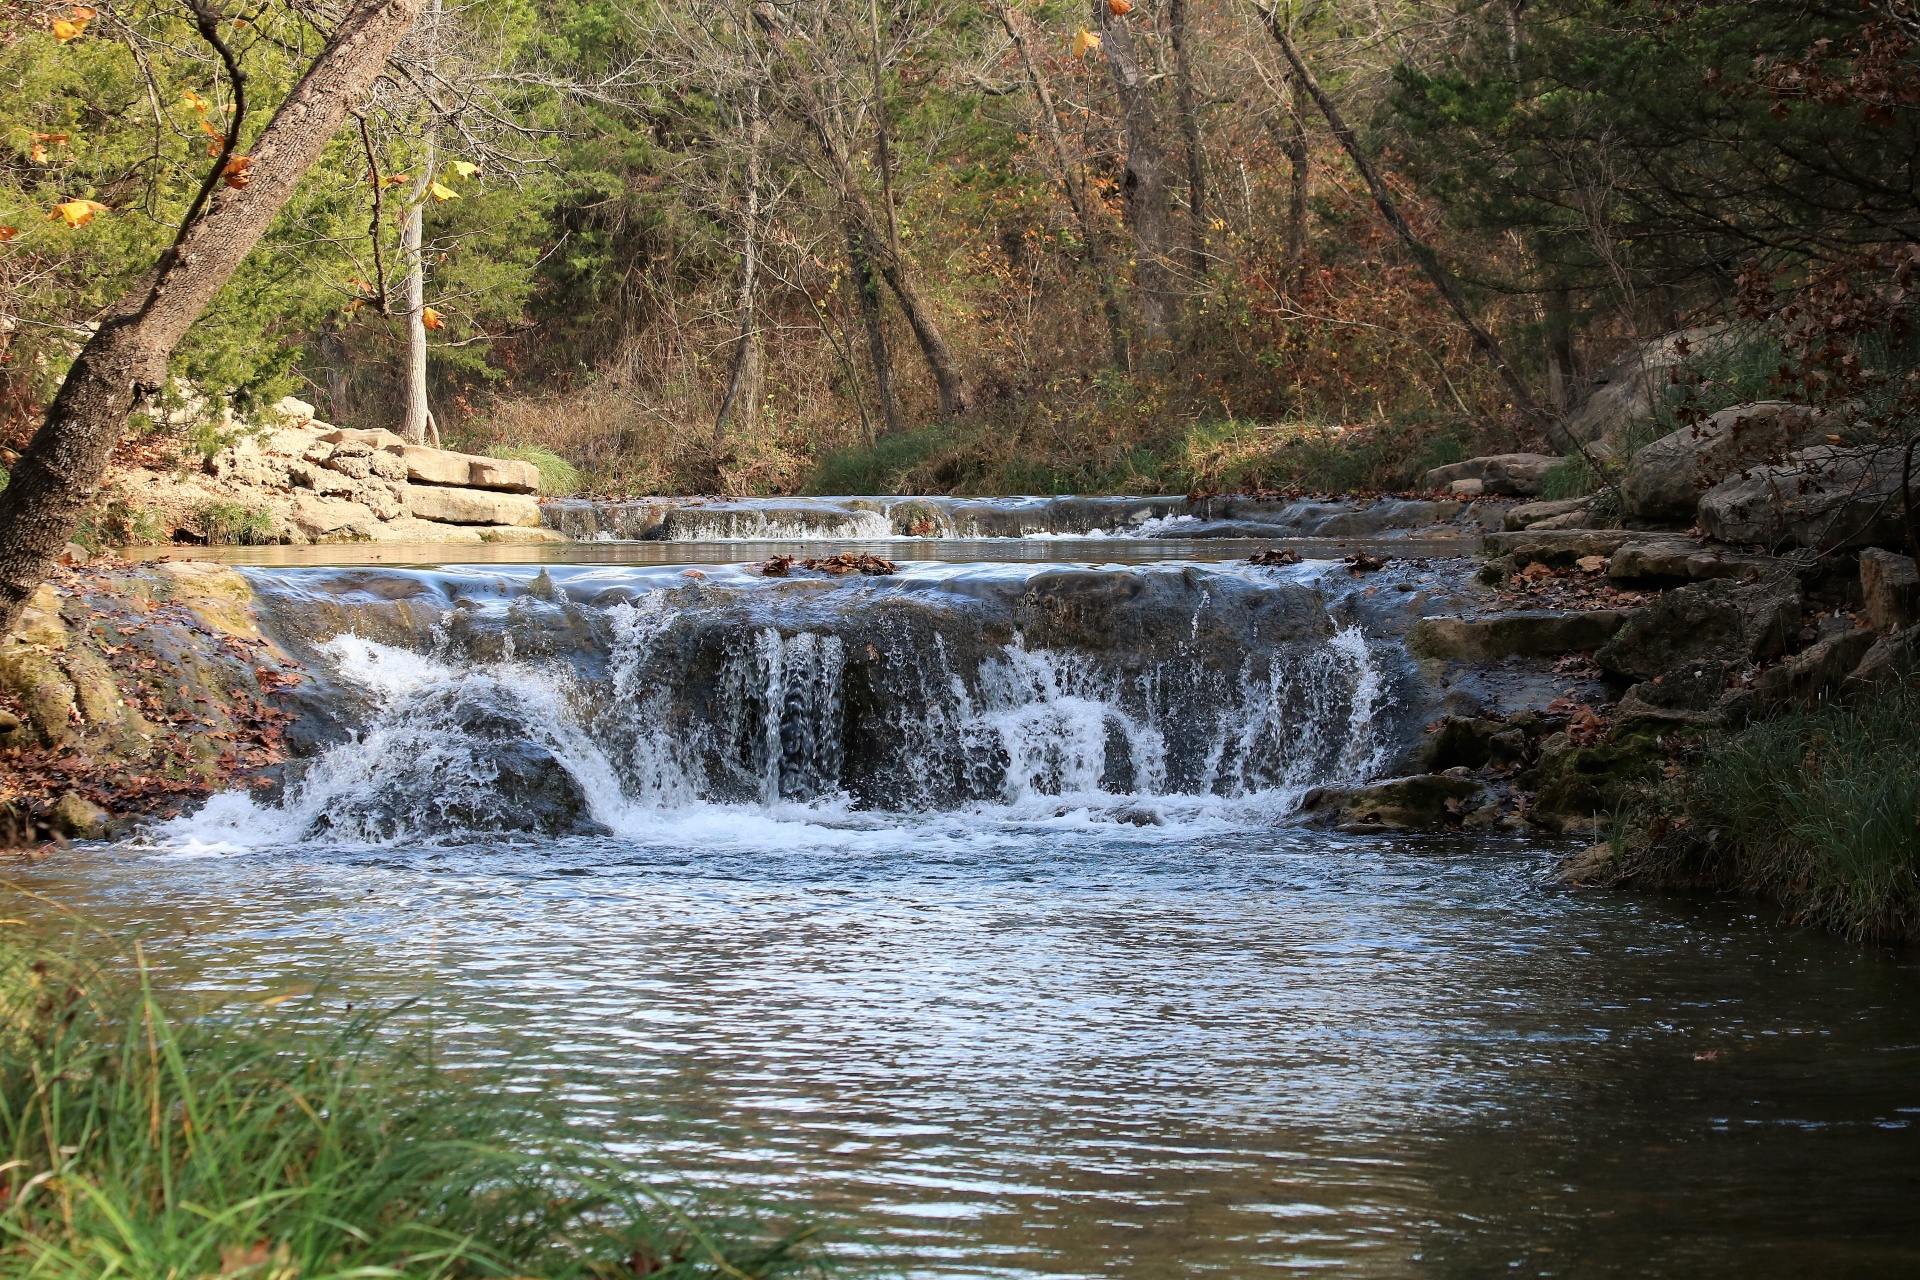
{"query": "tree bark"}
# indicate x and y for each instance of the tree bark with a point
(1143, 182)
(893, 268)
(743, 380)
(1073, 182)
(866, 286)
(1560, 347)
(419, 426)
(1423, 254)
(1296, 148)
(1184, 98)
(125, 362)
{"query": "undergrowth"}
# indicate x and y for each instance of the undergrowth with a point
(139, 1139)
(1818, 810)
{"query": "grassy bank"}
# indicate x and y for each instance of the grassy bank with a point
(139, 1140)
(1819, 811)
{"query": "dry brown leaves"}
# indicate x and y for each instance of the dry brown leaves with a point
(845, 562)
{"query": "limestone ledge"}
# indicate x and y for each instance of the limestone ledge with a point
(316, 483)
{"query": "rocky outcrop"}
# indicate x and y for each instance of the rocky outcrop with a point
(1674, 561)
(1664, 481)
(301, 481)
(1421, 802)
(1554, 548)
(1529, 634)
(1825, 497)
(1565, 513)
(1626, 395)
(1714, 621)
(1889, 590)
(1507, 474)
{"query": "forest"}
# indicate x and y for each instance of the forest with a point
(954, 246)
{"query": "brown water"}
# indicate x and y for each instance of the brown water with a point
(998, 1046)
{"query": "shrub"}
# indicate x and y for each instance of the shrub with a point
(1819, 810)
(138, 1142)
(557, 476)
(231, 524)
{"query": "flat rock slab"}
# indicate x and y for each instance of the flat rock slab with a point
(1557, 548)
(1685, 560)
(470, 506)
(1525, 635)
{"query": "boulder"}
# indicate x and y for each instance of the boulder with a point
(77, 818)
(1824, 497)
(1708, 621)
(1626, 394)
(290, 412)
(470, 506)
(1422, 801)
(1893, 660)
(1664, 481)
(319, 517)
(1527, 515)
(1889, 590)
(244, 463)
(434, 466)
(1470, 742)
(1814, 674)
(374, 438)
(1556, 548)
(1513, 474)
(1686, 696)
(1675, 560)
(1527, 635)
(510, 475)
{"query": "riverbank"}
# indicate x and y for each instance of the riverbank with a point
(288, 1137)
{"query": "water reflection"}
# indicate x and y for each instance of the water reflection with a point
(1070, 1048)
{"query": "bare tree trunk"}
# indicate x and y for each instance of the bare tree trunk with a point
(124, 364)
(1190, 132)
(419, 426)
(1423, 254)
(1144, 181)
(1296, 146)
(948, 379)
(1560, 347)
(1073, 181)
(866, 285)
(743, 382)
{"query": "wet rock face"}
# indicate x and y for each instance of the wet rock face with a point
(1664, 481)
(1530, 635)
(1422, 802)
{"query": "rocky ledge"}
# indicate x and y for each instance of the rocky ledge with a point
(303, 481)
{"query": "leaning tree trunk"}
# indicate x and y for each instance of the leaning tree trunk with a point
(866, 285)
(1073, 182)
(1143, 184)
(124, 364)
(947, 378)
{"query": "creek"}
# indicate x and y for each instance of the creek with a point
(966, 906)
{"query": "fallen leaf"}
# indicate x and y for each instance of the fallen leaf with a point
(194, 100)
(77, 213)
(431, 318)
(1083, 42)
(1119, 8)
(234, 173)
(8, 233)
(395, 179)
(38, 154)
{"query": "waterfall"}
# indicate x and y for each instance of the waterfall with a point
(831, 697)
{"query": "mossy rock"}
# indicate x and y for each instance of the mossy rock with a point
(1577, 785)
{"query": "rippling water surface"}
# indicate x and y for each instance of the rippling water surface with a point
(1068, 1046)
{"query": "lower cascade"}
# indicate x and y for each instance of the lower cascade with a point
(585, 708)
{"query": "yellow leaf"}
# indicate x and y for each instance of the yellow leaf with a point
(38, 155)
(64, 31)
(1084, 41)
(464, 169)
(194, 100)
(439, 192)
(431, 318)
(77, 213)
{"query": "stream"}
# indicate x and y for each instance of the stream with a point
(965, 907)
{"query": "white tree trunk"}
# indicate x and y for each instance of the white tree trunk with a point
(420, 428)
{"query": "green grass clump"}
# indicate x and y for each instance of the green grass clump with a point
(138, 1141)
(1819, 810)
(558, 477)
(234, 525)
(1571, 477)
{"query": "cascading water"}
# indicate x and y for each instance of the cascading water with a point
(1117, 694)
